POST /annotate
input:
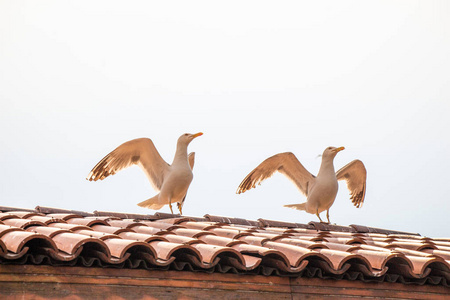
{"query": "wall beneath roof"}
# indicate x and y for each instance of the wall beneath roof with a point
(34, 282)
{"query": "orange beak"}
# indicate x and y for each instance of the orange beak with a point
(339, 149)
(197, 134)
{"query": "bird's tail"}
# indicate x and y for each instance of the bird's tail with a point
(152, 203)
(301, 206)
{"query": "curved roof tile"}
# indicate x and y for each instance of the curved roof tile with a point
(16, 241)
(86, 221)
(22, 223)
(179, 239)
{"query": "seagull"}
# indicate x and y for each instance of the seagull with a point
(320, 191)
(172, 181)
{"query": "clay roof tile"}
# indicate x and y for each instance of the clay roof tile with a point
(22, 223)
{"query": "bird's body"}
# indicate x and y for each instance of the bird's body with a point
(320, 191)
(176, 182)
(172, 181)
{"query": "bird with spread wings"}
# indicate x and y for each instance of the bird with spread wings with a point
(320, 190)
(172, 181)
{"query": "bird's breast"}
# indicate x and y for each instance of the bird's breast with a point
(181, 174)
(326, 185)
(176, 184)
(322, 195)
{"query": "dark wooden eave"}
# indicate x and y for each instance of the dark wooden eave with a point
(31, 282)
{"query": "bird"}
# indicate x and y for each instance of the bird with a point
(172, 181)
(320, 190)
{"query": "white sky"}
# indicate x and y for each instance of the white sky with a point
(78, 78)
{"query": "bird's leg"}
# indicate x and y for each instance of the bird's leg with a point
(170, 205)
(317, 214)
(328, 216)
(179, 208)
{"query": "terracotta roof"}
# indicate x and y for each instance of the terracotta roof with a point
(58, 237)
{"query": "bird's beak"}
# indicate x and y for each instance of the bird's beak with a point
(339, 149)
(197, 135)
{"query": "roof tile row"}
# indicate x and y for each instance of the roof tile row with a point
(213, 243)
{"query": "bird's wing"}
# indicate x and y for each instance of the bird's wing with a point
(191, 159)
(141, 152)
(285, 163)
(355, 174)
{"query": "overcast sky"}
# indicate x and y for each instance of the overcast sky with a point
(78, 78)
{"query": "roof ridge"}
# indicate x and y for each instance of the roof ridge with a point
(353, 228)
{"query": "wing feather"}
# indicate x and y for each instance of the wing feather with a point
(355, 174)
(285, 163)
(191, 159)
(141, 152)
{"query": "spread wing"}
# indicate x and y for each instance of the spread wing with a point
(355, 174)
(141, 152)
(191, 159)
(285, 163)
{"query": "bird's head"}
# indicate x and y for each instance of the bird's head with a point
(188, 137)
(331, 152)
